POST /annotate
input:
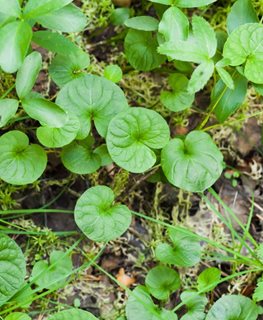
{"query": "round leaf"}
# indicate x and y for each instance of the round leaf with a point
(8, 108)
(73, 314)
(78, 157)
(92, 98)
(20, 163)
(13, 268)
(55, 276)
(15, 39)
(59, 137)
(132, 136)
(161, 281)
(193, 164)
(144, 23)
(233, 307)
(208, 277)
(65, 68)
(17, 316)
(28, 73)
(113, 73)
(45, 111)
(243, 46)
(141, 50)
(98, 217)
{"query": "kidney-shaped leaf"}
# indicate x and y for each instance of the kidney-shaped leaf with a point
(141, 50)
(15, 38)
(161, 281)
(185, 251)
(98, 217)
(132, 136)
(233, 307)
(17, 316)
(193, 164)
(244, 45)
(28, 73)
(92, 98)
(45, 111)
(20, 162)
(73, 314)
(8, 108)
(13, 268)
(52, 276)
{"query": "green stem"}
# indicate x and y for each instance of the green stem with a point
(8, 91)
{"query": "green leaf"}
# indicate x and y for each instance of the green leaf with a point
(34, 9)
(104, 155)
(233, 307)
(193, 164)
(200, 76)
(185, 251)
(13, 267)
(164, 2)
(133, 134)
(226, 78)
(10, 8)
(193, 3)
(17, 316)
(180, 99)
(98, 217)
(8, 109)
(119, 16)
(244, 46)
(65, 68)
(92, 98)
(55, 42)
(113, 73)
(67, 19)
(195, 304)
(24, 297)
(52, 275)
(20, 163)
(28, 73)
(73, 314)
(141, 50)
(45, 111)
(78, 157)
(15, 39)
(162, 281)
(59, 137)
(174, 25)
(144, 23)
(242, 12)
(258, 293)
(259, 89)
(208, 277)
(228, 101)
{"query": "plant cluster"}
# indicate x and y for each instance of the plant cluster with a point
(92, 125)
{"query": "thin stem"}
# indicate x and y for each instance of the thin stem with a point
(8, 91)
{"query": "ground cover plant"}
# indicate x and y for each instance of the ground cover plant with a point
(131, 160)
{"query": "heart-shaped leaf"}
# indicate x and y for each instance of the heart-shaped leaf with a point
(133, 134)
(15, 39)
(195, 304)
(28, 73)
(161, 281)
(65, 68)
(67, 19)
(78, 157)
(244, 46)
(8, 108)
(35, 8)
(92, 98)
(193, 164)
(17, 316)
(73, 314)
(185, 251)
(208, 277)
(144, 23)
(59, 137)
(180, 99)
(98, 217)
(20, 162)
(13, 268)
(45, 111)
(53, 275)
(141, 50)
(233, 307)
